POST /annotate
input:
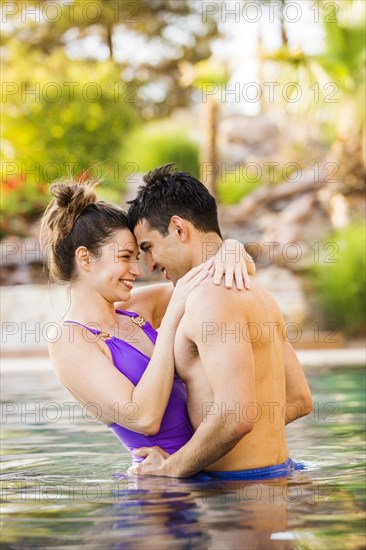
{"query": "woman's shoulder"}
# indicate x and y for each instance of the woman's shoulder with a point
(66, 340)
(72, 348)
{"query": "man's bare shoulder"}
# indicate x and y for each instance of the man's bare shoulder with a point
(216, 300)
(208, 297)
(208, 288)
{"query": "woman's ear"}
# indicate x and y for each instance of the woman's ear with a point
(82, 256)
(180, 227)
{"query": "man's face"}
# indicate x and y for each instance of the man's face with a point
(165, 253)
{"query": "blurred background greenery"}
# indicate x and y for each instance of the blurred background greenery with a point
(114, 88)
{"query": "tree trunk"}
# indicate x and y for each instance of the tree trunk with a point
(348, 151)
(284, 36)
(209, 157)
(110, 40)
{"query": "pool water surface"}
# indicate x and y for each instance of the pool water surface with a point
(64, 480)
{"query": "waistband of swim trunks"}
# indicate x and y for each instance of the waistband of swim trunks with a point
(277, 470)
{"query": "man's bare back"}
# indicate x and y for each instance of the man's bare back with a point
(221, 327)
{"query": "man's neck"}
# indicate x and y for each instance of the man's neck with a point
(206, 246)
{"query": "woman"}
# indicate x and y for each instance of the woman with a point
(109, 358)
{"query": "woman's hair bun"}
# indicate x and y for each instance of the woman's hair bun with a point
(74, 195)
(70, 199)
(75, 217)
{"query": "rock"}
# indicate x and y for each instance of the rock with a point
(274, 198)
(297, 233)
(287, 290)
(21, 261)
(242, 137)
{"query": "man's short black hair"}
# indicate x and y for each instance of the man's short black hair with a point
(168, 193)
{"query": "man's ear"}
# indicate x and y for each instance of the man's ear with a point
(82, 256)
(180, 227)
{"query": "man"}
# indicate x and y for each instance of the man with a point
(244, 381)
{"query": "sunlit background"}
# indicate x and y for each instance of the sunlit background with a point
(262, 100)
(265, 102)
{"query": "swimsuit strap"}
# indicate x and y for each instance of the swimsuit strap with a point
(144, 325)
(128, 313)
(93, 330)
(139, 319)
(141, 322)
(103, 335)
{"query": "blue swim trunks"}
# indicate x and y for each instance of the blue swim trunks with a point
(268, 472)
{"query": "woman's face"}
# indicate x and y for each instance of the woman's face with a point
(114, 269)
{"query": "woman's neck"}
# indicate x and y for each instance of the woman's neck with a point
(88, 306)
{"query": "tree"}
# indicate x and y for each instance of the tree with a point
(335, 85)
(105, 23)
(207, 76)
(57, 122)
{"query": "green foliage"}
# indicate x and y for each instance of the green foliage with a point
(210, 71)
(91, 30)
(233, 187)
(340, 278)
(20, 203)
(59, 119)
(345, 49)
(160, 143)
(332, 82)
(78, 113)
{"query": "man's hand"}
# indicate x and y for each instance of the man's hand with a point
(153, 465)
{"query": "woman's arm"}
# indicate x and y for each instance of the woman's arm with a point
(92, 378)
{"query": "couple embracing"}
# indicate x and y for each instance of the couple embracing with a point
(195, 378)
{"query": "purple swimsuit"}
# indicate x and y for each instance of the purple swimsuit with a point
(175, 429)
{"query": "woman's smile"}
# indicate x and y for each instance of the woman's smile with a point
(128, 283)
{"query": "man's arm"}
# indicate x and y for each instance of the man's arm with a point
(297, 390)
(228, 363)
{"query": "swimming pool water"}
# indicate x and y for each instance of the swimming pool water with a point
(64, 483)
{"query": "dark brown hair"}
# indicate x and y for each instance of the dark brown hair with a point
(73, 218)
(167, 193)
